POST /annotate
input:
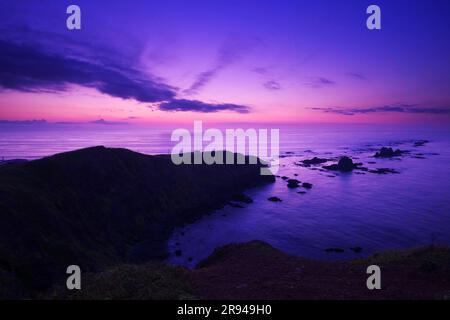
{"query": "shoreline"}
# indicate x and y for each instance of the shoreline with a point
(113, 210)
(99, 207)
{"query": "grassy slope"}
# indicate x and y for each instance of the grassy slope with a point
(255, 270)
(154, 281)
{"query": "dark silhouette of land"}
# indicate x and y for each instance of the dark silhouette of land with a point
(99, 207)
(111, 211)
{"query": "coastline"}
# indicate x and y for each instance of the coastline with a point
(99, 208)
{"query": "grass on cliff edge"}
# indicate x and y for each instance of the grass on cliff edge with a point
(165, 282)
(130, 282)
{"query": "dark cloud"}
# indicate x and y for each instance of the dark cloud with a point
(319, 82)
(401, 108)
(30, 68)
(272, 85)
(357, 75)
(261, 70)
(105, 122)
(198, 106)
(202, 79)
(42, 67)
(232, 51)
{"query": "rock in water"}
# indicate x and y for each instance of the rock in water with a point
(356, 249)
(345, 164)
(388, 153)
(274, 199)
(293, 183)
(383, 171)
(336, 250)
(420, 143)
(307, 185)
(314, 161)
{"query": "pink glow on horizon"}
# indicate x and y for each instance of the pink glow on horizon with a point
(85, 105)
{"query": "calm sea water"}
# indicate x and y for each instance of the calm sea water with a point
(371, 211)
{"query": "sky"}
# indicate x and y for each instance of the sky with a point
(271, 61)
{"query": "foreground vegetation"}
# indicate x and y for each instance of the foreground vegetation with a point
(255, 270)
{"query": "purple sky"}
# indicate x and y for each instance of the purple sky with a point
(247, 60)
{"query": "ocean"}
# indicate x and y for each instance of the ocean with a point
(374, 212)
